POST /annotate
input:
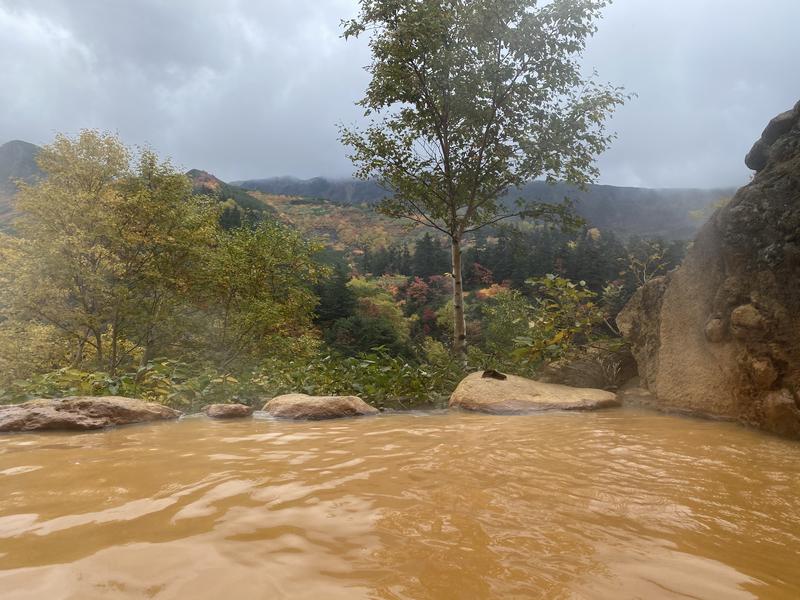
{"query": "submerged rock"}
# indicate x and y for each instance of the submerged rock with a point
(719, 335)
(518, 395)
(633, 394)
(81, 413)
(228, 411)
(302, 406)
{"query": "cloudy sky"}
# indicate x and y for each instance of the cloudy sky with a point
(249, 89)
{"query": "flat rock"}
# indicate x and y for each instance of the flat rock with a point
(518, 395)
(302, 406)
(80, 413)
(228, 411)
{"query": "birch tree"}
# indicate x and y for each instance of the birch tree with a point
(469, 99)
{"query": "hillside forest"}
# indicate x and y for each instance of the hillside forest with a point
(121, 275)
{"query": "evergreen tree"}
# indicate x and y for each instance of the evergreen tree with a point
(429, 258)
(336, 300)
(404, 261)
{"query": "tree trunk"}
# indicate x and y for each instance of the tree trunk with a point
(148, 350)
(98, 340)
(459, 324)
(148, 346)
(112, 362)
(80, 345)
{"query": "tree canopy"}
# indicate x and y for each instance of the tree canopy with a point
(118, 262)
(470, 98)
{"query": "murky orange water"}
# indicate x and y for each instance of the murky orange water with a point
(617, 504)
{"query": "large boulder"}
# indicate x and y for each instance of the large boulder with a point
(600, 366)
(510, 394)
(720, 335)
(314, 408)
(81, 413)
(228, 411)
(639, 324)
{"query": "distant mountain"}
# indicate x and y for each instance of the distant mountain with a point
(346, 191)
(17, 162)
(669, 213)
(206, 183)
(241, 205)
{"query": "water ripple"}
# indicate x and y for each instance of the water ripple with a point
(617, 504)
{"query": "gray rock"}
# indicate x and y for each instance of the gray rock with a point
(599, 366)
(780, 125)
(81, 413)
(228, 411)
(759, 155)
(302, 406)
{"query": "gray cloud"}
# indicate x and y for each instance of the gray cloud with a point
(709, 75)
(253, 89)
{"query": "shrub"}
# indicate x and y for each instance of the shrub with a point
(564, 315)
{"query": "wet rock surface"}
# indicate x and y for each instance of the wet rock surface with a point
(598, 367)
(720, 335)
(304, 407)
(228, 411)
(518, 395)
(81, 413)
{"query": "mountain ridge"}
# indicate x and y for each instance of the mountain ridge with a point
(672, 213)
(17, 162)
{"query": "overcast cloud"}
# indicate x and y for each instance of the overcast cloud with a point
(249, 89)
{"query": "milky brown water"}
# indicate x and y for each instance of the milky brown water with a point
(617, 504)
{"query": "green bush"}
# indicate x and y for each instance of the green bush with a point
(564, 315)
(380, 378)
(176, 384)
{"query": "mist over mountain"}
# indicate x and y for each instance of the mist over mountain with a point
(669, 213)
(205, 183)
(347, 191)
(17, 162)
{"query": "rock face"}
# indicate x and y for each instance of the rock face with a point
(597, 367)
(517, 395)
(301, 406)
(720, 335)
(228, 411)
(81, 413)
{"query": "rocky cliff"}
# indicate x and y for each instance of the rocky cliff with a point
(720, 335)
